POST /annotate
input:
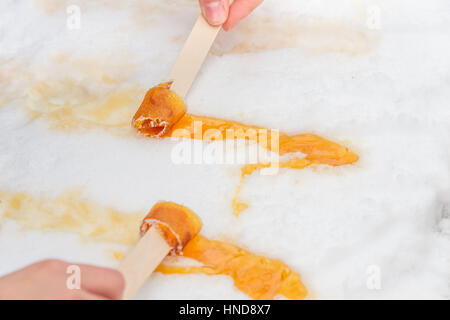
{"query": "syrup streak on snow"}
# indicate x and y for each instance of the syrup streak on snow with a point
(257, 276)
(312, 35)
(163, 106)
(69, 212)
(70, 107)
(316, 149)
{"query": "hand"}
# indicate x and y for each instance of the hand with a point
(46, 280)
(219, 12)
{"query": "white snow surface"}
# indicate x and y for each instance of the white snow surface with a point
(316, 66)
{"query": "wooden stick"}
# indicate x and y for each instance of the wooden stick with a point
(192, 56)
(152, 248)
(140, 263)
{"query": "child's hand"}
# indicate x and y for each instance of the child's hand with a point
(219, 12)
(47, 280)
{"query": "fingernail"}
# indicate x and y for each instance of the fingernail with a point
(215, 12)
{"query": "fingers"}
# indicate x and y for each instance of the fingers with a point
(86, 295)
(219, 12)
(48, 280)
(239, 10)
(104, 282)
(215, 11)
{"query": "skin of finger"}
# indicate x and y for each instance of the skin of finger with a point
(36, 281)
(203, 4)
(238, 11)
(101, 281)
(85, 295)
(46, 280)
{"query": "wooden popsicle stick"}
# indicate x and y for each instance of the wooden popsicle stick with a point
(192, 55)
(143, 259)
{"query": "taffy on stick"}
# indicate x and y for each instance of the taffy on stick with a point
(159, 111)
(168, 227)
(177, 223)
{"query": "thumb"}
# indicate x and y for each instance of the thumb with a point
(215, 11)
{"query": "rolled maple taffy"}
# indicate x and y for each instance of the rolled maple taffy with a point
(159, 111)
(178, 224)
(167, 228)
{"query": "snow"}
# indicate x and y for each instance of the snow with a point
(297, 66)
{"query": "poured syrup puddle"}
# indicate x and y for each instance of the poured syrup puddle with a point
(70, 213)
(259, 277)
(69, 106)
(312, 34)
